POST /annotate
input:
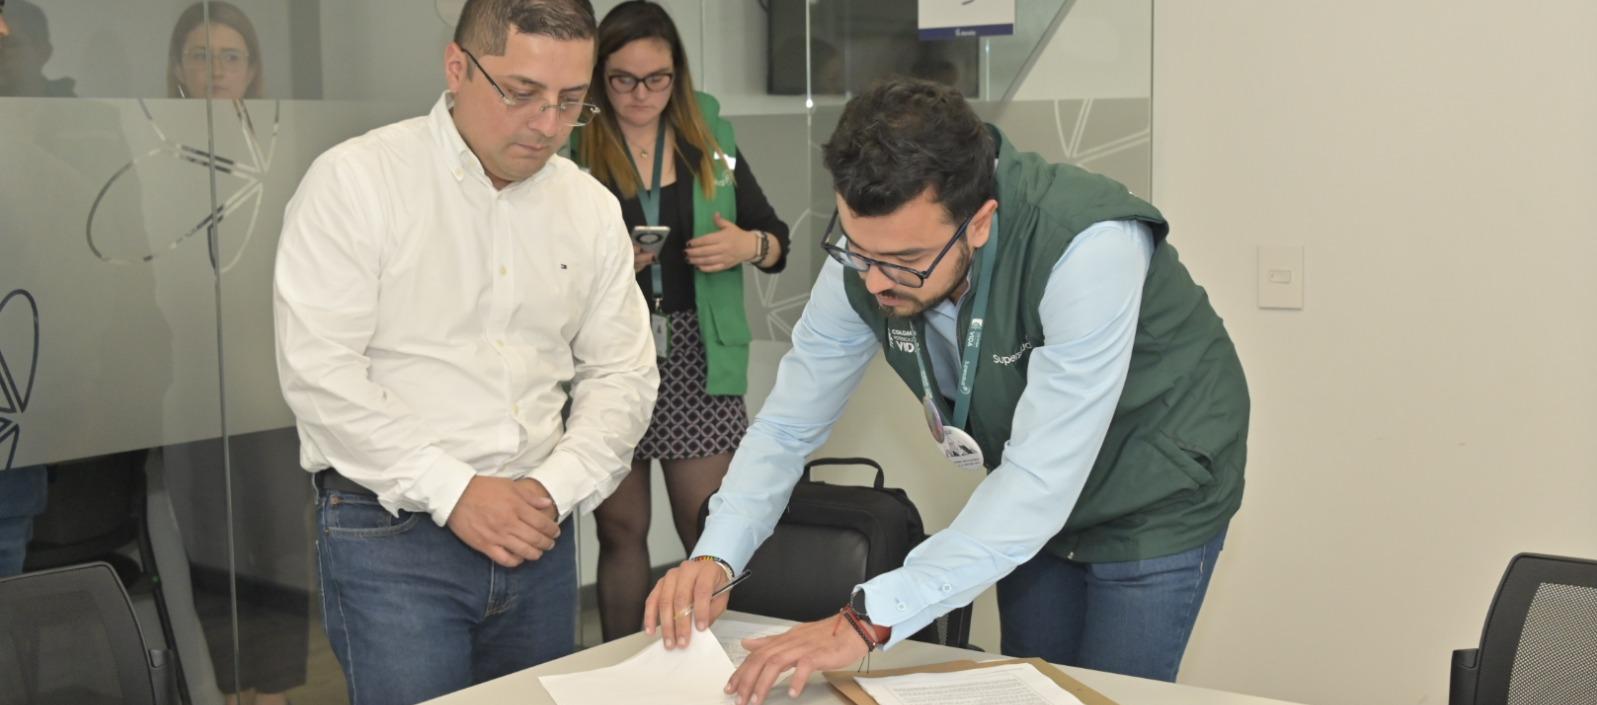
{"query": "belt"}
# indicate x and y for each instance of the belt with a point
(329, 479)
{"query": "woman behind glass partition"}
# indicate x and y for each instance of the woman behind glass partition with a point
(221, 59)
(228, 67)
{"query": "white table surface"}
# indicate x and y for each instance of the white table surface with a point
(523, 688)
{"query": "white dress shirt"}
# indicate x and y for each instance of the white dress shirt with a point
(428, 325)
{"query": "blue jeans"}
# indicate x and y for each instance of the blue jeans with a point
(414, 613)
(22, 497)
(1131, 617)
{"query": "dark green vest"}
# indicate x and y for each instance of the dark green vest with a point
(1169, 475)
(723, 323)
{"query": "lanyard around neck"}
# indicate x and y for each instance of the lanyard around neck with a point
(650, 201)
(650, 198)
(971, 356)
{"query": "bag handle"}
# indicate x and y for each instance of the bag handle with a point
(881, 477)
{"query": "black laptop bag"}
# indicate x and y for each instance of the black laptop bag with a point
(829, 539)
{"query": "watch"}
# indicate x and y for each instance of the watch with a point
(875, 635)
(856, 602)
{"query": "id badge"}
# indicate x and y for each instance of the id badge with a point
(660, 324)
(961, 449)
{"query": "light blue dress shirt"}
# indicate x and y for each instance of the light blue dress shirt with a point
(1089, 313)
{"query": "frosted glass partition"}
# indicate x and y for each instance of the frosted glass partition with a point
(138, 226)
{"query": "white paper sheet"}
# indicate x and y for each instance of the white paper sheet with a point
(1015, 684)
(732, 632)
(691, 676)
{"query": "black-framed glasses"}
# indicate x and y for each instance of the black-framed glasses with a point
(573, 112)
(655, 82)
(900, 274)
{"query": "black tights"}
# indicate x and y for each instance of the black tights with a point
(623, 519)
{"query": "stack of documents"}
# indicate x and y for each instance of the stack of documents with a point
(1014, 684)
(1004, 682)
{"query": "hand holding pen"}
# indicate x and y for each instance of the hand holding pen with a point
(687, 599)
(685, 611)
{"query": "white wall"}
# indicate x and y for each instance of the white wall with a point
(1430, 411)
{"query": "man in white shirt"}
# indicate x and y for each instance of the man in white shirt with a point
(441, 283)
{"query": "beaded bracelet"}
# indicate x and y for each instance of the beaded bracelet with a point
(725, 566)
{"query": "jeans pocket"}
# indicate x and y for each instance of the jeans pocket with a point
(347, 515)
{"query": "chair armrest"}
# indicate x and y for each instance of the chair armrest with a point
(1461, 683)
(163, 677)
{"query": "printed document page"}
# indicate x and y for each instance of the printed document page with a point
(1015, 684)
(691, 676)
(732, 632)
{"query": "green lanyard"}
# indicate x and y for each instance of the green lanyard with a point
(650, 201)
(973, 335)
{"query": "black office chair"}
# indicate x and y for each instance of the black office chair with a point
(70, 636)
(95, 509)
(831, 538)
(1539, 646)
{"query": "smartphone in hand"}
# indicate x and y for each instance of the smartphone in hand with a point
(650, 237)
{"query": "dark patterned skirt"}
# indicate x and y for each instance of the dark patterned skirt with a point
(688, 423)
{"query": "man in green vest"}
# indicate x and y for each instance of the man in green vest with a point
(1056, 342)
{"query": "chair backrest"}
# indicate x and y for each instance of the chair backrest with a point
(95, 508)
(1539, 646)
(70, 636)
(829, 539)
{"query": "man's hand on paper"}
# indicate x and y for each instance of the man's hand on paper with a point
(509, 521)
(826, 645)
(687, 585)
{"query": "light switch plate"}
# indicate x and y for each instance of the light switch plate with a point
(1281, 277)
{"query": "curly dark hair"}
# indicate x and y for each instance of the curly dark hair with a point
(903, 136)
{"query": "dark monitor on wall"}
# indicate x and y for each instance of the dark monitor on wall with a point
(854, 42)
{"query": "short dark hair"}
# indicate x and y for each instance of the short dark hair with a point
(485, 24)
(902, 136)
(27, 19)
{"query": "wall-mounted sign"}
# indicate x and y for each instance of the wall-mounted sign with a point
(948, 19)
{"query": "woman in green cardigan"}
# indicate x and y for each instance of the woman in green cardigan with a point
(652, 129)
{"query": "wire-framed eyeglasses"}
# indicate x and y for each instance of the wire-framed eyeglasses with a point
(900, 274)
(229, 59)
(572, 112)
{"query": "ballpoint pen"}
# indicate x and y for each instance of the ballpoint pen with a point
(685, 611)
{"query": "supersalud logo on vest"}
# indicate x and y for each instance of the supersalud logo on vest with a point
(1013, 357)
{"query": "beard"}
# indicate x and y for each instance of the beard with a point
(911, 302)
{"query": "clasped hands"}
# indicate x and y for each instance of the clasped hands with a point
(510, 521)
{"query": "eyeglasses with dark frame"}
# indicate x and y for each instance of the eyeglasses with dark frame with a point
(900, 274)
(655, 82)
(575, 113)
